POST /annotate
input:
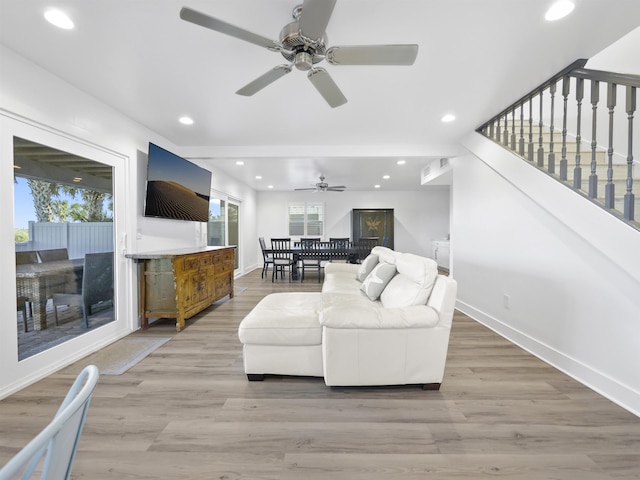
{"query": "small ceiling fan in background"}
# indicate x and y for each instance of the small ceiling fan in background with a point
(303, 43)
(323, 186)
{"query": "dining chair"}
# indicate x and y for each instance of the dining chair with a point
(364, 246)
(309, 256)
(282, 257)
(97, 286)
(340, 248)
(51, 453)
(267, 259)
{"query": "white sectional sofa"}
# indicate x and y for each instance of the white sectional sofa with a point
(384, 322)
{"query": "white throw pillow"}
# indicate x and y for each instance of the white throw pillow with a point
(366, 266)
(375, 282)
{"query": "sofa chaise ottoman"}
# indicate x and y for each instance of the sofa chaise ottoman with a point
(384, 322)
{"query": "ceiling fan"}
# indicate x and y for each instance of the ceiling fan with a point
(323, 186)
(303, 43)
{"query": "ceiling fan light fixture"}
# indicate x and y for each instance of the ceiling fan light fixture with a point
(304, 61)
(303, 43)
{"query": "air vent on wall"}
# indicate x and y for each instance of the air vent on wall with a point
(436, 172)
(426, 171)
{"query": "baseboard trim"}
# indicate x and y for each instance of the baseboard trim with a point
(609, 388)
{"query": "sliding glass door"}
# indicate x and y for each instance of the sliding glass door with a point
(64, 245)
(223, 227)
(233, 229)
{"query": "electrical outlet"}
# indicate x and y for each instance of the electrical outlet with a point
(506, 301)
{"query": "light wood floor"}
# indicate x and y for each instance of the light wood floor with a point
(188, 412)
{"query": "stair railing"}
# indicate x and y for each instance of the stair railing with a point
(608, 167)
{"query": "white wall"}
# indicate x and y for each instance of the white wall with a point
(41, 107)
(571, 271)
(421, 216)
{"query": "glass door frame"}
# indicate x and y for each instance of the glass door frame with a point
(229, 200)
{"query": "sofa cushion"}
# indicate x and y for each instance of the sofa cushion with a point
(366, 266)
(413, 283)
(379, 277)
(286, 318)
(341, 280)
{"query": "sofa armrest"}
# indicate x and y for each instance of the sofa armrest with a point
(378, 317)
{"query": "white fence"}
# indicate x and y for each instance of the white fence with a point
(77, 238)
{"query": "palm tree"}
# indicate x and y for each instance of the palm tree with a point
(42, 193)
(48, 206)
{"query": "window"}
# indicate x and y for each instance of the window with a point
(306, 219)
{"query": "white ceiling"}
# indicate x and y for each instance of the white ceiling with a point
(475, 57)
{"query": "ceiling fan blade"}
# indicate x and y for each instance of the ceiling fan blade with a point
(207, 21)
(373, 55)
(315, 17)
(336, 186)
(327, 87)
(264, 80)
(301, 189)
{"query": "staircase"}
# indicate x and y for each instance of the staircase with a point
(607, 180)
(582, 177)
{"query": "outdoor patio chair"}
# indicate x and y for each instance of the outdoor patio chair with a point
(97, 286)
(53, 254)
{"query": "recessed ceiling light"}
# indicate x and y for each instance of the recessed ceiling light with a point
(239, 162)
(59, 19)
(269, 186)
(448, 118)
(186, 120)
(401, 162)
(559, 10)
(77, 179)
(376, 186)
(386, 177)
(258, 177)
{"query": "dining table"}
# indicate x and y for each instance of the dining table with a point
(39, 281)
(323, 251)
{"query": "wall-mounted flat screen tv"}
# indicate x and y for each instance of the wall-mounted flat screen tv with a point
(176, 188)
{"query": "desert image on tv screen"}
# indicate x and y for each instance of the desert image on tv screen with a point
(176, 188)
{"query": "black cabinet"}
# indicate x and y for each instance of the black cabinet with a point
(372, 222)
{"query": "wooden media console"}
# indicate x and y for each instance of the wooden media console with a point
(181, 283)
